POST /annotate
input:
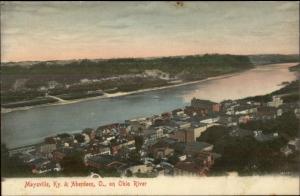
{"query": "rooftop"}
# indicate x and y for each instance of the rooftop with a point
(103, 159)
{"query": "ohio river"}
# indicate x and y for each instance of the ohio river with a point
(31, 126)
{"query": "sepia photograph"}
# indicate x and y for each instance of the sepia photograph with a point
(150, 98)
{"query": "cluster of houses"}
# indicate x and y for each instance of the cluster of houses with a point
(164, 144)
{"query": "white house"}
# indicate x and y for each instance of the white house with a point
(276, 102)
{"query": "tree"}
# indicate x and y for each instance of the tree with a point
(173, 159)
(129, 173)
(79, 137)
(134, 156)
(73, 165)
(139, 141)
(87, 130)
(4, 158)
(289, 124)
(213, 134)
(13, 166)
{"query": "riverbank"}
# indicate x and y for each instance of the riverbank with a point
(118, 94)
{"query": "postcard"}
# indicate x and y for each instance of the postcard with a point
(150, 98)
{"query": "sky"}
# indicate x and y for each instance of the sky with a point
(78, 30)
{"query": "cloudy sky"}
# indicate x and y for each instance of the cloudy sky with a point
(76, 30)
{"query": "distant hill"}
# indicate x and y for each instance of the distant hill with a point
(264, 59)
(29, 81)
(186, 67)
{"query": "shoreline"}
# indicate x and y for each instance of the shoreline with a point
(121, 94)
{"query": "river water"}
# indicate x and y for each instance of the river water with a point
(30, 126)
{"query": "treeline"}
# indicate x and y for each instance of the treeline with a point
(173, 65)
(273, 58)
(200, 66)
(248, 156)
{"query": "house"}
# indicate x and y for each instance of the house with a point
(266, 113)
(161, 152)
(103, 161)
(206, 105)
(194, 111)
(197, 166)
(245, 109)
(228, 104)
(279, 112)
(47, 167)
(42, 165)
(167, 130)
(183, 135)
(97, 148)
(115, 147)
(209, 120)
(228, 120)
(178, 112)
(47, 148)
(166, 115)
(182, 118)
(294, 144)
(197, 147)
(153, 134)
(86, 137)
(238, 132)
(261, 137)
(161, 149)
(165, 169)
(90, 132)
(137, 125)
(104, 150)
(182, 124)
(159, 122)
(190, 111)
(276, 102)
(188, 168)
(139, 169)
(59, 154)
(190, 134)
(64, 138)
(243, 119)
(286, 150)
(291, 147)
(52, 84)
(199, 128)
(156, 73)
(147, 160)
(123, 131)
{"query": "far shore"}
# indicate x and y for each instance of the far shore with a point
(119, 94)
